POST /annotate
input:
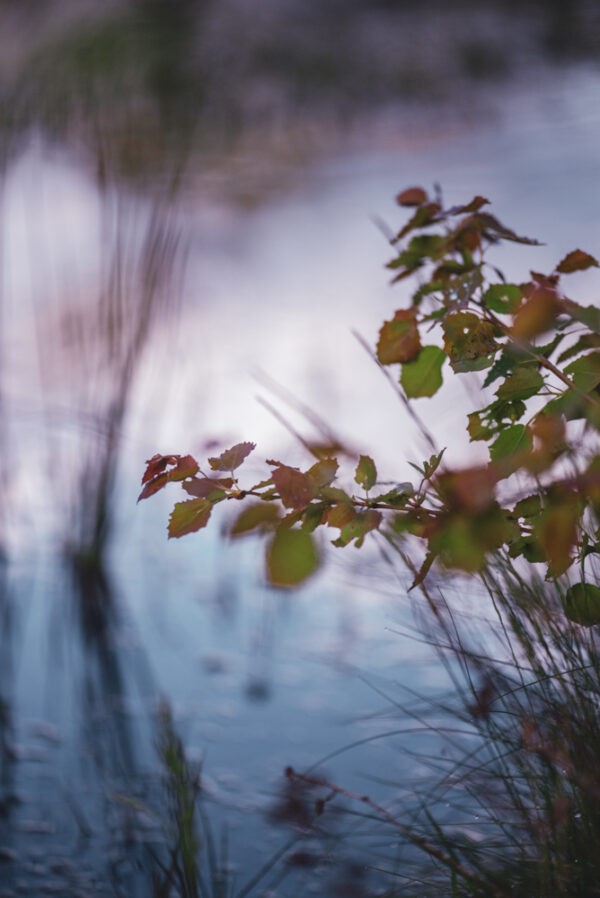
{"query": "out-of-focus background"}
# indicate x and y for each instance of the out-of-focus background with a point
(194, 198)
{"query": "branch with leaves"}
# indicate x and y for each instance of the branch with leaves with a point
(541, 352)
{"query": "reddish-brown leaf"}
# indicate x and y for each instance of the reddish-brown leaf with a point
(340, 515)
(231, 458)
(185, 466)
(474, 206)
(399, 339)
(154, 486)
(203, 487)
(155, 476)
(471, 490)
(537, 314)
(576, 261)
(412, 196)
(188, 517)
(557, 535)
(156, 465)
(295, 488)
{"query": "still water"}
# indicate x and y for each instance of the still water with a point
(134, 325)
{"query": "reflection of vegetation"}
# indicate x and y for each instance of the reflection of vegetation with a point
(140, 84)
(197, 867)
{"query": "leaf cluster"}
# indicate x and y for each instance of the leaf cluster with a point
(534, 347)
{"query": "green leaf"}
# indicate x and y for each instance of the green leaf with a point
(231, 458)
(588, 315)
(588, 341)
(366, 472)
(502, 298)
(188, 517)
(464, 541)
(397, 496)
(582, 604)
(525, 382)
(423, 377)
(467, 337)
(504, 410)
(585, 371)
(424, 215)
(291, 558)
(515, 438)
(357, 528)
(477, 429)
(571, 404)
(313, 516)
(529, 548)
(259, 516)
(426, 290)
(335, 494)
(529, 507)
(462, 366)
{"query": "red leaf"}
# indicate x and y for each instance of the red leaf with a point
(155, 476)
(576, 261)
(154, 486)
(188, 517)
(413, 196)
(231, 458)
(156, 465)
(294, 487)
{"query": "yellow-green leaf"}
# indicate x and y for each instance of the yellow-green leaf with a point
(291, 558)
(366, 472)
(582, 604)
(525, 382)
(260, 515)
(423, 377)
(187, 517)
(513, 439)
